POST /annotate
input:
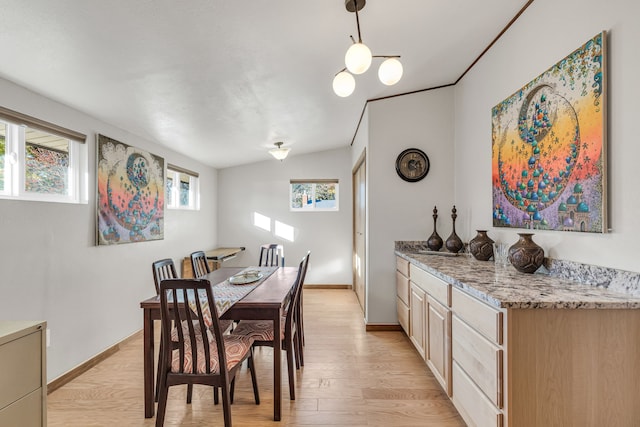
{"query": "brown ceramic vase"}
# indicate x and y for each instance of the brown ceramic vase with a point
(525, 255)
(435, 241)
(481, 246)
(454, 243)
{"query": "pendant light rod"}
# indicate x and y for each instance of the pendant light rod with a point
(355, 3)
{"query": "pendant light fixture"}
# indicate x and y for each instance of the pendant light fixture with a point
(358, 60)
(279, 153)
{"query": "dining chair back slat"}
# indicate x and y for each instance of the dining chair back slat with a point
(269, 255)
(199, 264)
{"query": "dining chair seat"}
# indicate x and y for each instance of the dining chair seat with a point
(259, 330)
(236, 348)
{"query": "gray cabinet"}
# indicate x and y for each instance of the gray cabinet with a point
(23, 379)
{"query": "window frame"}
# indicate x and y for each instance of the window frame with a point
(15, 165)
(314, 183)
(172, 201)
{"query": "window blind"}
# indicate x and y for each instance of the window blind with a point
(32, 122)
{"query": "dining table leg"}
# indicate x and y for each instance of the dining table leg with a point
(148, 364)
(277, 375)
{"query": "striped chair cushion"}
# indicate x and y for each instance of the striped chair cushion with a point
(236, 346)
(258, 330)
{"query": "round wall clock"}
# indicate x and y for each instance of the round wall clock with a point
(412, 165)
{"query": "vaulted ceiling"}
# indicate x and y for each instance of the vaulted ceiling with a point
(222, 80)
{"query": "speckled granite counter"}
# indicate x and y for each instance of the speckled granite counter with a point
(504, 287)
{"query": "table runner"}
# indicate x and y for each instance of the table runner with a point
(226, 294)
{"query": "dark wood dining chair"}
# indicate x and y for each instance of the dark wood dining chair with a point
(195, 350)
(199, 264)
(269, 256)
(261, 331)
(300, 314)
(164, 269)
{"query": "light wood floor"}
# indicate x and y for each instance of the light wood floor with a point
(350, 378)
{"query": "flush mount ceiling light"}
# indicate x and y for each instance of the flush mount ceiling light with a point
(279, 152)
(358, 60)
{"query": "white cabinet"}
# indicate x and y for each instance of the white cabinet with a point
(430, 323)
(417, 318)
(402, 293)
(23, 386)
(526, 367)
(478, 356)
(438, 353)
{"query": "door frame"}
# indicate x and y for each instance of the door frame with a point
(361, 162)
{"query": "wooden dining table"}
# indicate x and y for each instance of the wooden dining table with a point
(264, 302)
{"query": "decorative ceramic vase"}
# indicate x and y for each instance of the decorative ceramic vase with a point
(435, 241)
(481, 246)
(453, 243)
(525, 255)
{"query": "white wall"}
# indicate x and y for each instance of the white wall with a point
(264, 188)
(51, 268)
(400, 210)
(544, 34)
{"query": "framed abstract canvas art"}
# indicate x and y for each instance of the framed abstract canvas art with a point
(549, 147)
(130, 194)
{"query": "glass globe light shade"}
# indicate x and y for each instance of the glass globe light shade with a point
(358, 58)
(390, 71)
(344, 84)
(279, 153)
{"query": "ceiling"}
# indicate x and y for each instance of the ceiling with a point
(220, 80)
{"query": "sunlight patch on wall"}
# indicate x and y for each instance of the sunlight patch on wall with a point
(261, 221)
(284, 231)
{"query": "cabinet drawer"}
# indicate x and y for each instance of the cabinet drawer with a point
(20, 368)
(472, 404)
(402, 265)
(26, 412)
(403, 314)
(435, 287)
(480, 359)
(483, 318)
(402, 287)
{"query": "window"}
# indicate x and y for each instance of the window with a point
(41, 164)
(183, 190)
(314, 195)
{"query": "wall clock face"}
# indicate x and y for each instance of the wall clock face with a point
(412, 165)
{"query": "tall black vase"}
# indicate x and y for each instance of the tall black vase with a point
(454, 243)
(435, 241)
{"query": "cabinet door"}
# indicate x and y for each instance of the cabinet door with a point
(418, 319)
(438, 353)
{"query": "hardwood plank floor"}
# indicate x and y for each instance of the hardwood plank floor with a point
(350, 378)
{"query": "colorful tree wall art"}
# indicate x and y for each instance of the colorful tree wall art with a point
(130, 194)
(549, 147)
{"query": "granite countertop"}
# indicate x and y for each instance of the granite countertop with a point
(505, 287)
